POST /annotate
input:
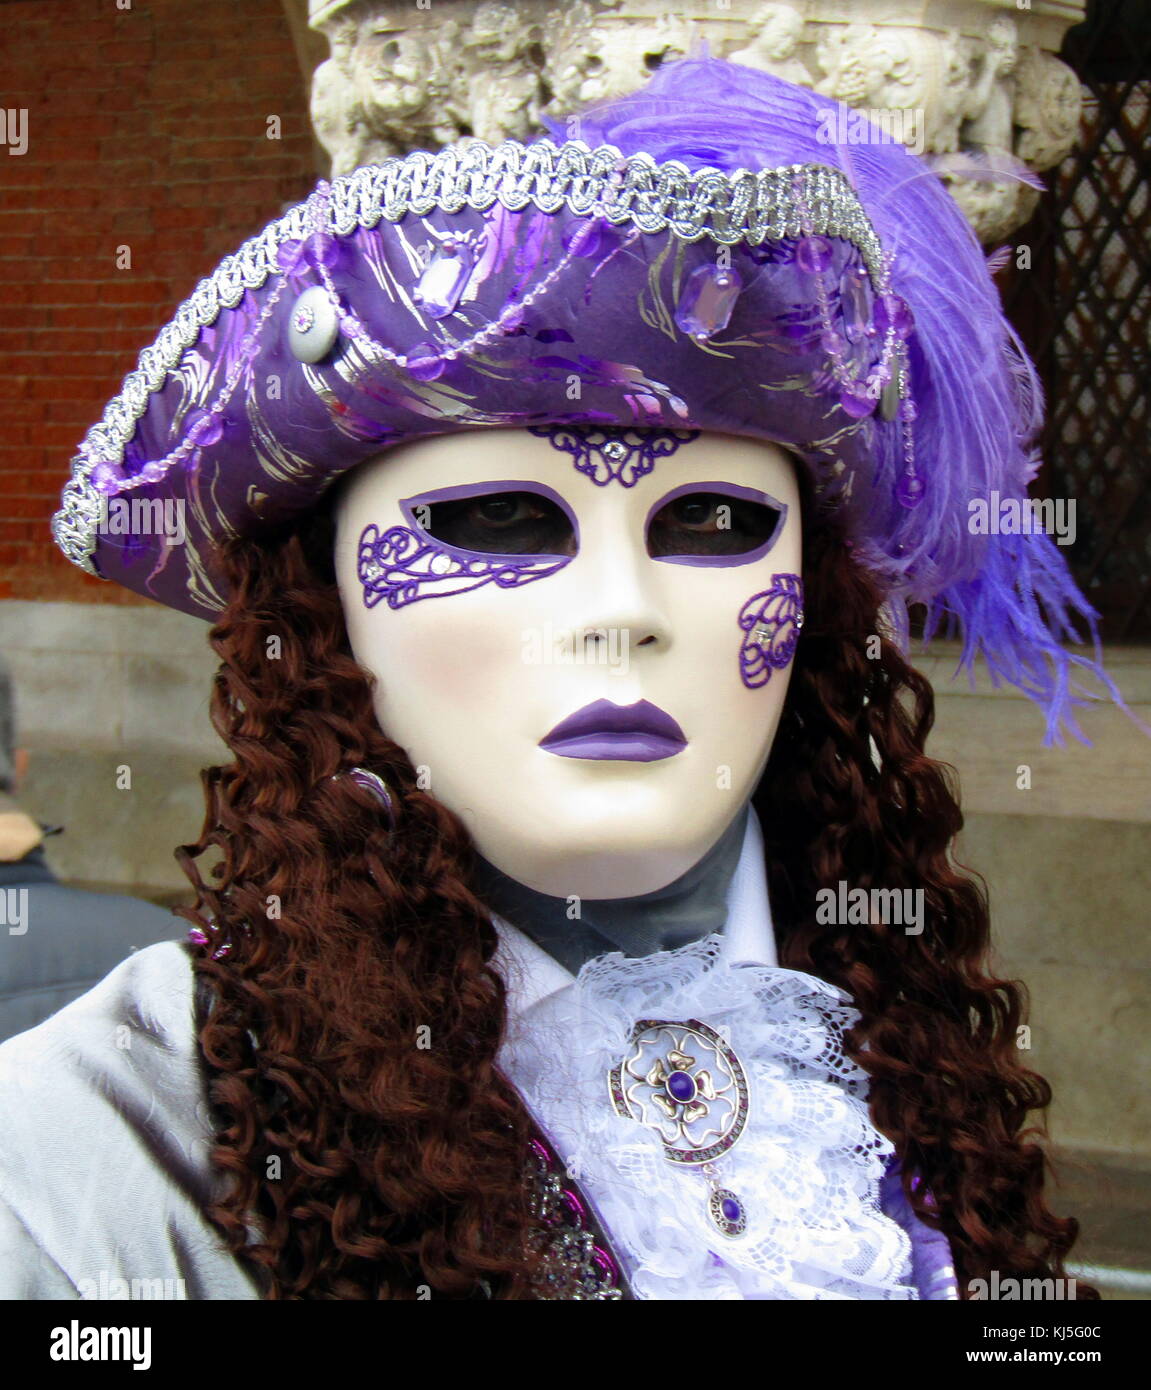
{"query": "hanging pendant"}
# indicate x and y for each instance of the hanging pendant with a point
(684, 1082)
(727, 1212)
(909, 490)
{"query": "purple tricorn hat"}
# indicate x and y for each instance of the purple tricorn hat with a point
(703, 256)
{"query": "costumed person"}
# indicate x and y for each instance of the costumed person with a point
(582, 922)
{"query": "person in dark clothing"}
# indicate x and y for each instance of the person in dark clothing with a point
(57, 941)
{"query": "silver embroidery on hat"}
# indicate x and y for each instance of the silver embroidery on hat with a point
(636, 190)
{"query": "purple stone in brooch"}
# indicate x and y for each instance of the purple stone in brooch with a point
(684, 1082)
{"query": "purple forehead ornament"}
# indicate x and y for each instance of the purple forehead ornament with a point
(606, 454)
(704, 258)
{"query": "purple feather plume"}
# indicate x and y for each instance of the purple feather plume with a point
(979, 400)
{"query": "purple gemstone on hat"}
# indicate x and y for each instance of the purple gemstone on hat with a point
(705, 306)
(206, 430)
(105, 477)
(856, 402)
(856, 307)
(321, 248)
(425, 362)
(909, 491)
(445, 275)
(681, 1087)
(290, 256)
(813, 254)
(893, 312)
(731, 1209)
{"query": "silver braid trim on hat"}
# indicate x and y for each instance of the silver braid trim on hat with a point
(633, 190)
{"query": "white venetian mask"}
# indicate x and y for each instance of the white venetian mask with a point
(498, 583)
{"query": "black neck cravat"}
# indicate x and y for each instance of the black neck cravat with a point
(691, 907)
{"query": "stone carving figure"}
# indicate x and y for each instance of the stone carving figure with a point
(991, 97)
(572, 53)
(777, 31)
(596, 55)
(383, 90)
(1048, 106)
(882, 68)
(499, 84)
(403, 76)
(869, 65)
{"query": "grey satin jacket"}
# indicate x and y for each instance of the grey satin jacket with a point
(104, 1139)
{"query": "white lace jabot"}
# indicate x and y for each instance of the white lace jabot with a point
(808, 1166)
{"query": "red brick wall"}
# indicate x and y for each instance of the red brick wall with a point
(147, 127)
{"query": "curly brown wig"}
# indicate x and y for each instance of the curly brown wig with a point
(371, 1147)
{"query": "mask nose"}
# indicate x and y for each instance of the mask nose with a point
(613, 590)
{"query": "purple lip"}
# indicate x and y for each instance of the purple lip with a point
(640, 733)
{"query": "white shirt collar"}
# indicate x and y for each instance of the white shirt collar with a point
(748, 933)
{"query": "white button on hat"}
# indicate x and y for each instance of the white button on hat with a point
(312, 325)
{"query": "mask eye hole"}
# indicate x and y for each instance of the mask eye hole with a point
(713, 524)
(497, 523)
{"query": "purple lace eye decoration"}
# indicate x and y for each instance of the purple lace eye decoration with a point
(401, 567)
(772, 620)
(603, 454)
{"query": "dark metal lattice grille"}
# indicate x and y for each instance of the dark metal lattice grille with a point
(1084, 311)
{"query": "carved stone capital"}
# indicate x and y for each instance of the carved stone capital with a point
(971, 84)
